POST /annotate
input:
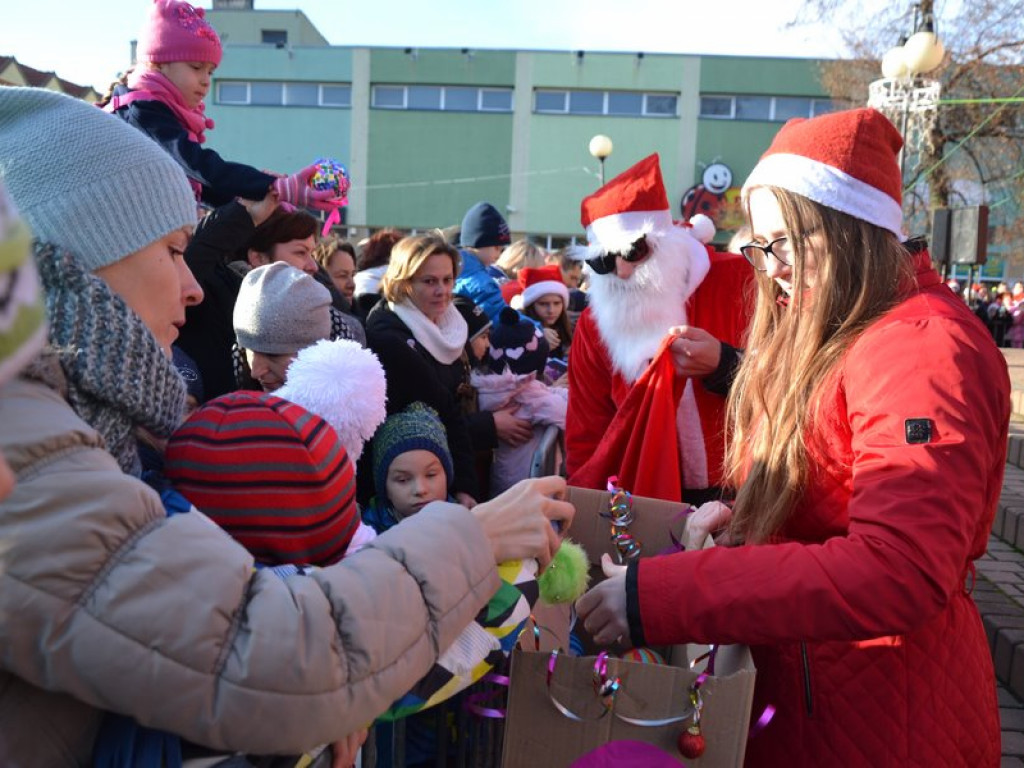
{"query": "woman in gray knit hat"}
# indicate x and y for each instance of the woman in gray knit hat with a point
(107, 603)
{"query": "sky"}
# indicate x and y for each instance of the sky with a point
(89, 44)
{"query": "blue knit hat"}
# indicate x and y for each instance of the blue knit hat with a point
(190, 373)
(418, 427)
(87, 181)
(483, 226)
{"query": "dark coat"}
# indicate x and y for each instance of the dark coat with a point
(209, 332)
(222, 181)
(413, 374)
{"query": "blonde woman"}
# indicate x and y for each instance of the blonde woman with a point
(869, 427)
(419, 336)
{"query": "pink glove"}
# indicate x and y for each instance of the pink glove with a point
(295, 189)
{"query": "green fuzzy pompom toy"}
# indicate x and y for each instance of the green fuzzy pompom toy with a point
(568, 575)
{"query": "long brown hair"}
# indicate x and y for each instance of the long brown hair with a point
(861, 272)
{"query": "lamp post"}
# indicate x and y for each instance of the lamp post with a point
(903, 94)
(600, 147)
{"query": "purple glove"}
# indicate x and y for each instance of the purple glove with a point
(295, 189)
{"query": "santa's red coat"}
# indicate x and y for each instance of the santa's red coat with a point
(629, 430)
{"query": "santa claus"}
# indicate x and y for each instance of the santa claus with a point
(655, 348)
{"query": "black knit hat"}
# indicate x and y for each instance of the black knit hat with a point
(483, 226)
(476, 319)
(518, 344)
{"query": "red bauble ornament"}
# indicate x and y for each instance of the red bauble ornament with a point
(691, 742)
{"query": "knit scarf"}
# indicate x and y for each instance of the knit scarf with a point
(152, 85)
(444, 339)
(118, 377)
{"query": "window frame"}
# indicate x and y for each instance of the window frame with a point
(285, 84)
(812, 102)
(478, 105)
(606, 98)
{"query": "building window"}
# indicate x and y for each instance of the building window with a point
(446, 98)
(302, 94)
(625, 103)
(336, 95)
(266, 93)
(275, 36)
(286, 94)
(550, 101)
(766, 108)
(496, 99)
(232, 93)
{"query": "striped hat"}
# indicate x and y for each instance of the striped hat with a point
(270, 473)
(847, 161)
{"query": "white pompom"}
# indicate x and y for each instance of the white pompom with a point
(702, 227)
(342, 383)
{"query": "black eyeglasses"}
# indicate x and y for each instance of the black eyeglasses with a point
(638, 251)
(757, 255)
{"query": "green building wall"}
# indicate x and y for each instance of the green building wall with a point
(278, 138)
(422, 169)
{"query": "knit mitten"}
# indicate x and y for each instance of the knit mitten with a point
(295, 189)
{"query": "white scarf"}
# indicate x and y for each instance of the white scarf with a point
(445, 339)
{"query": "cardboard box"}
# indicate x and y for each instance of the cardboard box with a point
(537, 733)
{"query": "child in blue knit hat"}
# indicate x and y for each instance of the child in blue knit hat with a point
(411, 466)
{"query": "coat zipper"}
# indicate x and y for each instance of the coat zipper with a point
(807, 679)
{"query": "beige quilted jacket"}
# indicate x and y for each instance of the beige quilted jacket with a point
(105, 603)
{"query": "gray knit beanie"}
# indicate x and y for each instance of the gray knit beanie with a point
(87, 181)
(281, 310)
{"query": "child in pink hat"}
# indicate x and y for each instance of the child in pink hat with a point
(178, 52)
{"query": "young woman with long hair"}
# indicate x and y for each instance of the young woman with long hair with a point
(868, 439)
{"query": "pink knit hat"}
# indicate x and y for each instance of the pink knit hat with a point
(178, 32)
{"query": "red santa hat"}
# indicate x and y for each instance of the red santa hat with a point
(541, 281)
(847, 161)
(632, 204)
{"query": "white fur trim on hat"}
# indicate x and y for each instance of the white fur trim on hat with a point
(828, 186)
(533, 292)
(342, 383)
(616, 233)
(702, 227)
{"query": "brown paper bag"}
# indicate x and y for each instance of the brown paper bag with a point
(537, 733)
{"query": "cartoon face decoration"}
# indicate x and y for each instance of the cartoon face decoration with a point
(717, 178)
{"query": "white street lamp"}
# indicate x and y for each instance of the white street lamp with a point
(600, 147)
(903, 94)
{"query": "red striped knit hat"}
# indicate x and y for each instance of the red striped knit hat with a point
(270, 473)
(847, 161)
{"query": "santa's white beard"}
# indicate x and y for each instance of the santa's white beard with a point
(634, 315)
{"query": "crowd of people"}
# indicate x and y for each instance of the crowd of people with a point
(260, 483)
(1000, 308)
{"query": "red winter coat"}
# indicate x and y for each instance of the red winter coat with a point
(864, 635)
(612, 425)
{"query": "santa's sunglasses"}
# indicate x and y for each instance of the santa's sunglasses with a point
(605, 265)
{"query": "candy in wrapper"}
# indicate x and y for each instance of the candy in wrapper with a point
(331, 175)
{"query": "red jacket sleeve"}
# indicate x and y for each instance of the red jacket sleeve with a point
(918, 513)
(591, 406)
